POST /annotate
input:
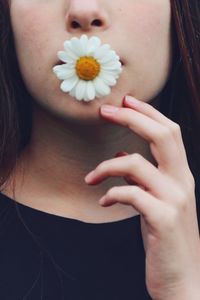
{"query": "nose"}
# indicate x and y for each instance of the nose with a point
(86, 15)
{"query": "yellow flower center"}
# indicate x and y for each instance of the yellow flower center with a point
(87, 68)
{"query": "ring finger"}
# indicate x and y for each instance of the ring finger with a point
(134, 166)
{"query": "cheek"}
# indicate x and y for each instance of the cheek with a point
(152, 28)
(28, 24)
(150, 50)
(32, 41)
(147, 50)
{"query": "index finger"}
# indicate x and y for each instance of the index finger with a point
(164, 146)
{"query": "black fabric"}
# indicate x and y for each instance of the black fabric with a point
(48, 257)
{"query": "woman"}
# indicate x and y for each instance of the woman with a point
(65, 235)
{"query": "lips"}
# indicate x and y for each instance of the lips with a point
(122, 62)
(59, 63)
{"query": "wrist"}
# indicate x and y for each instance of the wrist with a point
(187, 288)
(186, 292)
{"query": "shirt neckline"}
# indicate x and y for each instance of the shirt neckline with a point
(41, 213)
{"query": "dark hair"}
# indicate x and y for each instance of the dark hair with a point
(180, 97)
(15, 101)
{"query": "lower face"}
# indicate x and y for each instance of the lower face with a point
(139, 31)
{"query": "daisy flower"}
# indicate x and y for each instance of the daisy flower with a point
(89, 69)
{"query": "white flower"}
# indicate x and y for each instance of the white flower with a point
(89, 68)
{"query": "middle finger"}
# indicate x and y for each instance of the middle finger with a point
(162, 142)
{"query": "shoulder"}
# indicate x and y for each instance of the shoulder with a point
(7, 212)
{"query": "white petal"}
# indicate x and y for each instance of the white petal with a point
(112, 63)
(112, 67)
(108, 78)
(57, 68)
(112, 73)
(80, 90)
(110, 56)
(70, 65)
(70, 50)
(64, 67)
(63, 56)
(98, 95)
(93, 43)
(86, 98)
(76, 46)
(102, 51)
(65, 74)
(84, 43)
(90, 90)
(68, 84)
(101, 87)
(72, 92)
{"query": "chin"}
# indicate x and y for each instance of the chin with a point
(85, 113)
(112, 99)
(68, 109)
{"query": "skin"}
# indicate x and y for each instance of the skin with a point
(145, 25)
(71, 138)
(164, 196)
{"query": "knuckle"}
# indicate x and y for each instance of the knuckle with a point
(175, 129)
(169, 219)
(190, 189)
(163, 134)
(182, 200)
(135, 159)
(135, 191)
(191, 180)
(169, 132)
(182, 203)
(112, 192)
(172, 218)
(102, 167)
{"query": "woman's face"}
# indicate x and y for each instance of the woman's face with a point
(138, 30)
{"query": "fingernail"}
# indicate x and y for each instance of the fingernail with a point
(132, 100)
(121, 153)
(109, 109)
(88, 178)
(102, 200)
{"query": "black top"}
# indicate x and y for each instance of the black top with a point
(49, 257)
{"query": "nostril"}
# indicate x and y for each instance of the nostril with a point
(97, 23)
(75, 24)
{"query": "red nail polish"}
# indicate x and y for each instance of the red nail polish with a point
(123, 101)
(121, 153)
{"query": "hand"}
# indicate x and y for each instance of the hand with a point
(163, 195)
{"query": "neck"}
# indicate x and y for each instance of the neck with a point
(59, 156)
